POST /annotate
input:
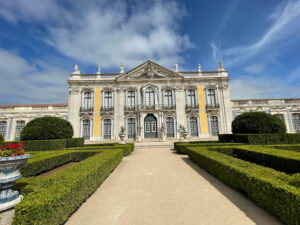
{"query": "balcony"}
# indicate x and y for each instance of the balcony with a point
(128, 108)
(212, 106)
(190, 107)
(169, 107)
(87, 109)
(107, 108)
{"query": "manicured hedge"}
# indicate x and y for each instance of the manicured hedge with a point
(285, 161)
(295, 148)
(261, 139)
(51, 200)
(37, 165)
(268, 188)
(1, 139)
(181, 147)
(41, 145)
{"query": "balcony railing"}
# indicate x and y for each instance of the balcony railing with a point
(169, 107)
(188, 107)
(212, 106)
(130, 108)
(87, 109)
(107, 108)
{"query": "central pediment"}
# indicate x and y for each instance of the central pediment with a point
(149, 70)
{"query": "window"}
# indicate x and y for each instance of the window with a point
(280, 116)
(211, 97)
(168, 98)
(19, 127)
(296, 122)
(191, 98)
(214, 126)
(87, 100)
(107, 128)
(153, 126)
(131, 99)
(193, 126)
(86, 129)
(149, 96)
(131, 128)
(108, 99)
(147, 126)
(170, 126)
(3, 128)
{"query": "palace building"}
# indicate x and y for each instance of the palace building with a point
(150, 102)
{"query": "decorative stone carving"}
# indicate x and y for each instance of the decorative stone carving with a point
(76, 70)
(220, 69)
(122, 68)
(98, 70)
(176, 67)
(199, 68)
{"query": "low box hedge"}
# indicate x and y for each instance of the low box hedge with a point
(51, 200)
(261, 139)
(295, 148)
(270, 189)
(285, 161)
(54, 144)
(37, 165)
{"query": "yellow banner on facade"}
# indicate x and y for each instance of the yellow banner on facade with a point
(202, 110)
(97, 108)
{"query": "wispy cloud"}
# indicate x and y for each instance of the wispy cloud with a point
(254, 69)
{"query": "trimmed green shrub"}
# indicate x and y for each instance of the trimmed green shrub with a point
(74, 142)
(257, 123)
(45, 128)
(51, 200)
(1, 139)
(270, 189)
(261, 139)
(285, 161)
(38, 165)
(295, 148)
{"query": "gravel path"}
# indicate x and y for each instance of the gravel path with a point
(156, 186)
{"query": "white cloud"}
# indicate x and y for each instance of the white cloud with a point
(285, 26)
(25, 82)
(107, 33)
(254, 69)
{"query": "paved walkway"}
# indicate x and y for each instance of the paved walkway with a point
(156, 186)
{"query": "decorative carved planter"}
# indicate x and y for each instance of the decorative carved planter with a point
(122, 137)
(9, 174)
(185, 134)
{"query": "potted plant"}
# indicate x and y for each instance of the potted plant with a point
(122, 135)
(184, 133)
(12, 159)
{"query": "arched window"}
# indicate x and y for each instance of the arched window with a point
(149, 96)
(296, 122)
(211, 97)
(193, 126)
(3, 125)
(107, 129)
(191, 98)
(214, 125)
(86, 129)
(19, 127)
(170, 126)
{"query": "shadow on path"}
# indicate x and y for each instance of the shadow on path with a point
(258, 215)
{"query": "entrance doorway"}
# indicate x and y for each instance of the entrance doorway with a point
(150, 126)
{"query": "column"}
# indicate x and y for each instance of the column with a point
(73, 110)
(180, 109)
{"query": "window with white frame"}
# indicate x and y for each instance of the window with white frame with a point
(108, 99)
(131, 99)
(214, 125)
(191, 97)
(168, 98)
(19, 127)
(3, 125)
(87, 100)
(107, 128)
(193, 126)
(296, 122)
(149, 96)
(211, 97)
(86, 129)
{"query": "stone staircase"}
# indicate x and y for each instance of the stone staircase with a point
(153, 144)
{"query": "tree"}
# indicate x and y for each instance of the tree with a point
(47, 128)
(257, 123)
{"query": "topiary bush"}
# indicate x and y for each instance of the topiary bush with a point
(257, 123)
(45, 128)
(1, 139)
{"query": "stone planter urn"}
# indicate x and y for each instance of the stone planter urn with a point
(9, 174)
(122, 137)
(185, 134)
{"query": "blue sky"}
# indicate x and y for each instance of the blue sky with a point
(40, 41)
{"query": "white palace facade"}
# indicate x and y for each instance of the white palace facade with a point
(150, 102)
